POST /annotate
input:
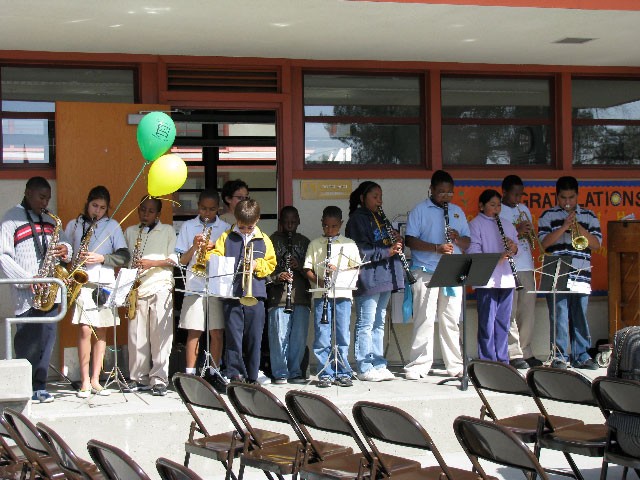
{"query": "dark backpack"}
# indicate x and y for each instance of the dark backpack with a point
(625, 357)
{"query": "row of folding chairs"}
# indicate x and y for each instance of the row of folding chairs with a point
(39, 452)
(569, 435)
(299, 451)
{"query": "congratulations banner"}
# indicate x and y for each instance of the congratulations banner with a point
(609, 200)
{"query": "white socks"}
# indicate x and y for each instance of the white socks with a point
(190, 371)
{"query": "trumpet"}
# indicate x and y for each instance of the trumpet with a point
(579, 242)
(247, 299)
(199, 268)
(531, 238)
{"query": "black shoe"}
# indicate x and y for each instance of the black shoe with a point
(533, 362)
(297, 380)
(588, 364)
(343, 382)
(217, 381)
(159, 390)
(237, 378)
(519, 363)
(136, 387)
(280, 381)
(557, 363)
(324, 382)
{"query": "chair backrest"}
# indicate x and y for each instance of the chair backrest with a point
(170, 470)
(7, 453)
(114, 463)
(496, 377)
(561, 385)
(61, 452)
(315, 411)
(393, 425)
(24, 433)
(495, 443)
(195, 391)
(617, 395)
(252, 400)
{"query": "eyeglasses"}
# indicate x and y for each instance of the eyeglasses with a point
(240, 197)
(444, 194)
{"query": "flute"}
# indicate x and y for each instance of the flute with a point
(405, 265)
(512, 262)
(327, 285)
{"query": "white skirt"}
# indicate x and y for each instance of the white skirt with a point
(88, 313)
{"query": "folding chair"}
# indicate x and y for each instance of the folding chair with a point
(495, 443)
(114, 463)
(393, 425)
(170, 470)
(73, 466)
(566, 386)
(618, 398)
(502, 378)
(11, 457)
(196, 392)
(257, 402)
(24, 433)
(315, 411)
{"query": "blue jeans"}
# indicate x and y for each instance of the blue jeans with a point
(571, 326)
(35, 341)
(287, 339)
(371, 311)
(322, 341)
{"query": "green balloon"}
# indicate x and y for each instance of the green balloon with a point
(156, 133)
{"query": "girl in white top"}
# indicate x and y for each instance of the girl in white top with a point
(106, 249)
(152, 245)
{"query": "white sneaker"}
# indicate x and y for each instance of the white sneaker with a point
(385, 373)
(370, 375)
(262, 378)
(414, 374)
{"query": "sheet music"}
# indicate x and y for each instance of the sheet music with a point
(124, 282)
(221, 273)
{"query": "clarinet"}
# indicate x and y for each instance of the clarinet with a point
(447, 235)
(512, 262)
(288, 306)
(405, 265)
(327, 284)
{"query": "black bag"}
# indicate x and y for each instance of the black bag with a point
(625, 357)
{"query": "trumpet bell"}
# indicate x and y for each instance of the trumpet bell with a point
(198, 269)
(248, 301)
(580, 242)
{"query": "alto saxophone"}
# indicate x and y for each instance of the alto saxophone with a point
(199, 268)
(45, 294)
(78, 275)
(132, 298)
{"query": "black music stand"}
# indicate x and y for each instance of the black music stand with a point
(462, 270)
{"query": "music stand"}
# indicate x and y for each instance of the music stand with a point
(554, 277)
(117, 298)
(334, 356)
(462, 270)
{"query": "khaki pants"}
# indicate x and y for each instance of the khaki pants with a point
(427, 304)
(523, 317)
(151, 338)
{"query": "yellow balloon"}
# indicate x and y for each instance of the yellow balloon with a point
(166, 175)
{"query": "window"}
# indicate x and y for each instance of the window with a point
(496, 121)
(606, 121)
(28, 106)
(363, 120)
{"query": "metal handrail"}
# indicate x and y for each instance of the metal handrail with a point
(10, 320)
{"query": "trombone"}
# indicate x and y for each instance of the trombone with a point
(247, 299)
(531, 238)
(579, 242)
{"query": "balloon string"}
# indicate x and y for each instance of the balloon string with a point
(129, 190)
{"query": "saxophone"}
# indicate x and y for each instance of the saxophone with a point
(199, 268)
(78, 276)
(45, 294)
(132, 298)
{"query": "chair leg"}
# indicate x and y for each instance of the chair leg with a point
(241, 471)
(637, 472)
(574, 467)
(624, 473)
(186, 459)
(603, 469)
